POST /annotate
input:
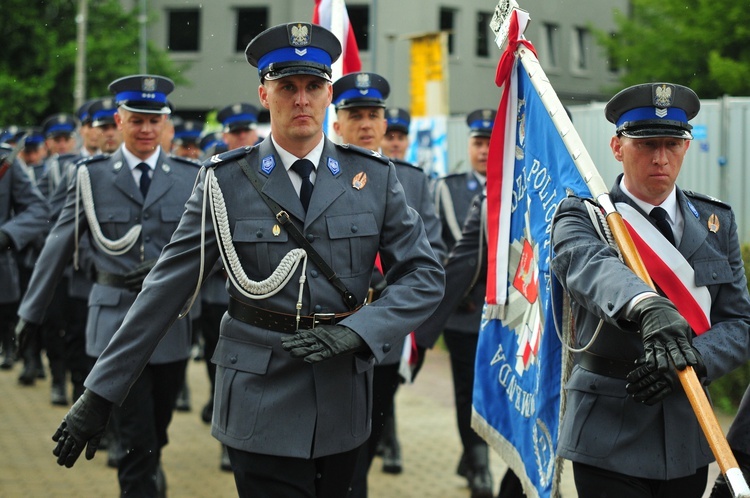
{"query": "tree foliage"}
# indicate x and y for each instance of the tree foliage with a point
(703, 44)
(38, 52)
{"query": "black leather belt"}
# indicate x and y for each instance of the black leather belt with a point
(280, 322)
(610, 367)
(110, 279)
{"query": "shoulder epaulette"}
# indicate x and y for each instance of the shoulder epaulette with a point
(401, 162)
(451, 176)
(227, 156)
(706, 198)
(186, 160)
(365, 152)
(91, 159)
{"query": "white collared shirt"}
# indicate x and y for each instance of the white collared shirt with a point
(134, 161)
(674, 214)
(287, 159)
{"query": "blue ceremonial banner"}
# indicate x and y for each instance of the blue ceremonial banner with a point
(519, 356)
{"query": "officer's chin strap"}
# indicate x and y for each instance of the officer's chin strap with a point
(249, 288)
(111, 247)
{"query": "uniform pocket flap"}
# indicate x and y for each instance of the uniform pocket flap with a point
(242, 356)
(712, 271)
(105, 296)
(112, 215)
(585, 381)
(363, 364)
(258, 230)
(346, 226)
(172, 213)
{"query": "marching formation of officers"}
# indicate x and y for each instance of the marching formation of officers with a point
(126, 164)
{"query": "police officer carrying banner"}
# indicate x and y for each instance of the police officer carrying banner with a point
(128, 204)
(629, 428)
(295, 354)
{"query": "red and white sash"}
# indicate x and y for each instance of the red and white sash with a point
(669, 269)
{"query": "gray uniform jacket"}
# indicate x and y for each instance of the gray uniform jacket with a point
(24, 216)
(119, 205)
(453, 199)
(418, 196)
(266, 401)
(739, 432)
(602, 425)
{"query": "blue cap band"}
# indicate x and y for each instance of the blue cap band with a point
(291, 54)
(145, 96)
(64, 127)
(188, 134)
(402, 122)
(480, 125)
(354, 93)
(649, 114)
(104, 113)
(241, 117)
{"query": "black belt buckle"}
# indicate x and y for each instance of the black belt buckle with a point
(329, 318)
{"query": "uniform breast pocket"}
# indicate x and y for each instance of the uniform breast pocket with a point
(114, 222)
(256, 239)
(350, 236)
(170, 215)
(712, 271)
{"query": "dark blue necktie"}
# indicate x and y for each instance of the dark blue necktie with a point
(145, 179)
(660, 216)
(303, 167)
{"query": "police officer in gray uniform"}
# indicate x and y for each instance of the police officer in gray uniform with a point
(128, 204)
(629, 428)
(23, 217)
(453, 200)
(292, 395)
(359, 99)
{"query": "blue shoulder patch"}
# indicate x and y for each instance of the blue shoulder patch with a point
(227, 156)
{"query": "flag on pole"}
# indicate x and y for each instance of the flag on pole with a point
(324, 16)
(519, 356)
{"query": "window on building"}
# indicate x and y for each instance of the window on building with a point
(550, 45)
(485, 36)
(359, 17)
(448, 23)
(581, 49)
(183, 30)
(250, 23)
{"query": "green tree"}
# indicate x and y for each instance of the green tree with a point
(703, 44)
(38, 51)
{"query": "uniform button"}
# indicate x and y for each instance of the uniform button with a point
(145, 216)
(233, 359)
(314, 273)
(386, 347)
(259, 234)
(714, 275)
(147, 239)
(355, 228)
(310, 237)
(592, 387)
(318, 308)
(610, 306)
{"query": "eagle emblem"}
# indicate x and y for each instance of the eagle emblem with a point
(299, 35)
(663, 95)
(363, 81)
(148, 84)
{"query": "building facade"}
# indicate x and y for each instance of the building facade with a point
(211, 37)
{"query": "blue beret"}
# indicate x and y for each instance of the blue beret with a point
(143, 93)
(653, 110)
(480, 122)
(360, 90)
(294, 48)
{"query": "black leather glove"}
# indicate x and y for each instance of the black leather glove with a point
(648, 385)
(323, 342)
(26, 334)
(5, 241)
(83, 426)
(134, 278)
(665, 334)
